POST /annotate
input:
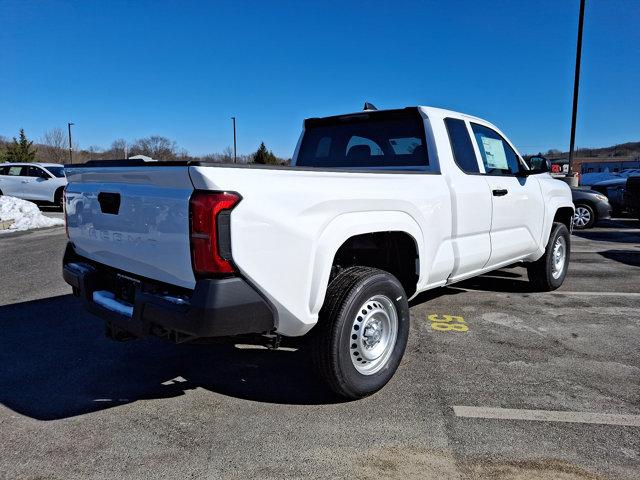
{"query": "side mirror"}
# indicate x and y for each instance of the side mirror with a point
(537, 165)
(540, 163)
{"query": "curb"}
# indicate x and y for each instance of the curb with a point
(12, 234)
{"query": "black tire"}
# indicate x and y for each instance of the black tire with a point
(586, 214)
(59, 199)
(543, 273)
(333, 340)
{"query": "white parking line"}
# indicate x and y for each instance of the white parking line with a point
(596, 294)
(625, 252)
(557, 292)
(547, 416)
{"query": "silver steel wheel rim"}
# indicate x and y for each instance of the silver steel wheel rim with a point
(581, 217)
(559, 257)
(373, 334)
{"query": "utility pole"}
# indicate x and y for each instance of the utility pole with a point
(576, 86)
(70, 148)
(234, 140)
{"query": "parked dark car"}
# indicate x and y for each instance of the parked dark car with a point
(614, 190)
(591, 206)
(632, 196)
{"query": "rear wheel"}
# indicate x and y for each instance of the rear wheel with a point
(548, 272)
(584, 217)
(362, 331)
(59, 199)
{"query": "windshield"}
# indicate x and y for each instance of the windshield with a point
(391, 139)
(56, 171)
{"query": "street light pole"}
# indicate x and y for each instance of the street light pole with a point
(70, 148)
(234, 139)
(576, 85)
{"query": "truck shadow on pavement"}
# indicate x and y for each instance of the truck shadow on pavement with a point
(614, 236)
(628, 257)
(56, 363)
(505, 281)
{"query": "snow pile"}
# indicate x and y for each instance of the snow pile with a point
(25, 215)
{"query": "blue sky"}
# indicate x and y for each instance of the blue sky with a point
(181, 69)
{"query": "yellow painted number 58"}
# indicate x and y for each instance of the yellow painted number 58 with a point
(447, 323)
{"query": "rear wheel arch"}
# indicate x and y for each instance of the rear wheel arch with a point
(395, 252)
(339, 234)
(59, 192)
(58, 195)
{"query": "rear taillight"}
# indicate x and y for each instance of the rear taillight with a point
(205, 212)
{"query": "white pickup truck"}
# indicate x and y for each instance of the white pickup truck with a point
(376, 207)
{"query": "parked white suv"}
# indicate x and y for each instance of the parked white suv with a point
(376, 207)
(39, 182)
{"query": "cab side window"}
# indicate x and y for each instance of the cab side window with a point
(498, 157)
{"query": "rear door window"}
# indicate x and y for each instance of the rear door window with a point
(17, 171)
(36, 172)
(389, 140)
(56, 171)
(461, 145)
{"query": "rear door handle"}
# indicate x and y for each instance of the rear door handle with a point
(500, 192)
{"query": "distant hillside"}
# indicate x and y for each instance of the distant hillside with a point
(630, 149)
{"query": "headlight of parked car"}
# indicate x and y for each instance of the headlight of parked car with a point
(602, 198)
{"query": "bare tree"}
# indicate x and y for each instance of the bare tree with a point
(54, 148)
(227, 155)
(119, 148)
(156, 147)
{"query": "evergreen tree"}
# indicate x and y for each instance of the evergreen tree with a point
(264, 156)
(21, 150)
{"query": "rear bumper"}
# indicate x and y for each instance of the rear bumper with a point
(215, 308)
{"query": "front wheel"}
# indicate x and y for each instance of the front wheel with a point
(548, 272)
(362, 331)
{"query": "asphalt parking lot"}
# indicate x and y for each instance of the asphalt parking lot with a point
(528, 386)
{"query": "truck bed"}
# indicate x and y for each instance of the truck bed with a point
(278, 229)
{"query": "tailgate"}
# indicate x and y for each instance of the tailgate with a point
(133, 218)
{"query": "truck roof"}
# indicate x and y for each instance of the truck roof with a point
(429, 111)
